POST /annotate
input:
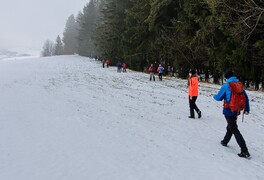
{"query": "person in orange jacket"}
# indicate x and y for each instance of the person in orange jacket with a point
(193, 93)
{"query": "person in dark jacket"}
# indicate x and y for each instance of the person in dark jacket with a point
(119, 66)
(231, 117)
(103, 63)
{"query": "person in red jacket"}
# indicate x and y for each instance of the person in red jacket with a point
(151, 72)
(107, 62)
(193, 94)
(124, 67)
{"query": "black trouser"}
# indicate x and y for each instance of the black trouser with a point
(233, 129)
(160, 76)
(152, 75)
(193, 105)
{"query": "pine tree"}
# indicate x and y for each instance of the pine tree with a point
(86, 21)
(110, 28)
(70, 36)
(58, 48)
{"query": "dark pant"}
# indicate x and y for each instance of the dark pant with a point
(193, 105)
(160, 76)
(152, 75)
(233, 129)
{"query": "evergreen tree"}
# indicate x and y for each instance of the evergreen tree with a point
(109, 29)
(70, 36)
(137, 37)
(86, 22)
(58, 48)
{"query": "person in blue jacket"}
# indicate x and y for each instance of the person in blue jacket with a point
(231, 117)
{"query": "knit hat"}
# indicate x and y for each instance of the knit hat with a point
(192, 71)
(228, 74)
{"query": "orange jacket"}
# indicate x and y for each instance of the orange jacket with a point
(193, 86)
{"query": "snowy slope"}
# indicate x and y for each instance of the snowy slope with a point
(67, 118)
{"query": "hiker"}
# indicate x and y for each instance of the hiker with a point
(160, 71)
(124, 67)
(107, 62)
(193, 93)
(103, 63)
(119, 65)
(151, 72)
(225, 94)
(173, 71)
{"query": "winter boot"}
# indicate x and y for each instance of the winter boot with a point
(244, 154)
(199, 114)
(191, 113)
(223, 143)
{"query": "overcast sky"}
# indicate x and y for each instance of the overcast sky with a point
(29, 23)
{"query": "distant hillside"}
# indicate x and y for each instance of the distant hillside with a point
(18, 52)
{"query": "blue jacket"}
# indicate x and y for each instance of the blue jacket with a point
(225, 94)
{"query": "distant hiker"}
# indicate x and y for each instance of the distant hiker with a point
(151, 72)
(207, 75)
(173, 71)
(119, 66)
(107, 62)
(124, 67)
(193, 93)
(103, 63)
(226, 93)
(160, 71)
(169, 70)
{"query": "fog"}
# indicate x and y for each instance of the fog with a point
(29, 23)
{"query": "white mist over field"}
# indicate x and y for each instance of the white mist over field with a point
(67, 118)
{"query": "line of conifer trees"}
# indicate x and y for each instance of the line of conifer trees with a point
(209, 35)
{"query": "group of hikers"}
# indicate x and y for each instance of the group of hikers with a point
(152, 72)
(235, 100)
(160, 71)
(231, 93)
(231, 107)
(106, 62)
(121, 67)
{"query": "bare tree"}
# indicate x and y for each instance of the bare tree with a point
(47, 49)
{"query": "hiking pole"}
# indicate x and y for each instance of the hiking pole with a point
(243, 117)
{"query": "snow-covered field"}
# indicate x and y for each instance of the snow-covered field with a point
(67, 118)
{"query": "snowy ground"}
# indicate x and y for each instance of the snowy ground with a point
(67, 118)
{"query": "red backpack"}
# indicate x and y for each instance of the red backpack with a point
(238, 99)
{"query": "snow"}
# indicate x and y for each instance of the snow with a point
(66, 117)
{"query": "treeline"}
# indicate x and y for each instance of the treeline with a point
(209, 35)
(66, 45)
